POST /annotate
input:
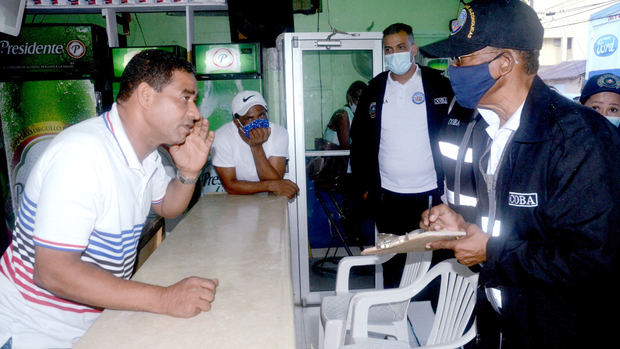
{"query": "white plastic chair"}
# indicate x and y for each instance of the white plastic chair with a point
(457, 298)
(389, 319)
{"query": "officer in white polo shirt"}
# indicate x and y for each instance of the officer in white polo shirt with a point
(249, 152)
(86, 201)
(394, 154)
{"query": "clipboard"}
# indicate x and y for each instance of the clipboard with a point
(411, 242)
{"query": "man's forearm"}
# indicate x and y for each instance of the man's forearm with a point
(247, 187)
(263, 168)
(177, 198)
(65, 275)
(88, 284)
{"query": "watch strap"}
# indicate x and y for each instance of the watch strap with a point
(186, 180)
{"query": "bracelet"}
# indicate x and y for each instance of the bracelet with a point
(185, 180)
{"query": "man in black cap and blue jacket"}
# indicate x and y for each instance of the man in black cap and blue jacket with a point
(547, 227)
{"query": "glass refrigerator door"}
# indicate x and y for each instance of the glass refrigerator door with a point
(33, 112)
(317, 71)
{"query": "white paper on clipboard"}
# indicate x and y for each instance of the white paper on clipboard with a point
(411, 242)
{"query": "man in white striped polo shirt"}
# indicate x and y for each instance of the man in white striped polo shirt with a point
(85, 204)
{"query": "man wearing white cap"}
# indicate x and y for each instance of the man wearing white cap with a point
(249, 153)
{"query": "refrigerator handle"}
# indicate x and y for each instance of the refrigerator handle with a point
(110, 24)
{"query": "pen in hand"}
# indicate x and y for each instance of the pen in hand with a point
(430, 205)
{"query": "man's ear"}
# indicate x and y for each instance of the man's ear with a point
(145, 94)
(414, 48)
(508, 62)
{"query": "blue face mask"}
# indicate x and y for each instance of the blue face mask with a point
(398, 63)
(471, 83)
(257, 123)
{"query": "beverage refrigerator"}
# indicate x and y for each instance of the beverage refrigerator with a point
(223, 70)
(51, 76)
(122, 55)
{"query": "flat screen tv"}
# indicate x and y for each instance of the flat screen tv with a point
(11, 13)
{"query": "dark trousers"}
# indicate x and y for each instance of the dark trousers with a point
(399, 214)
(488, 324)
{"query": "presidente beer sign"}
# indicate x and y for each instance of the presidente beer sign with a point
(51, 49)
(29, 49)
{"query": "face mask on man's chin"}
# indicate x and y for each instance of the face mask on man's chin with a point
(615, 120)
(353, 106)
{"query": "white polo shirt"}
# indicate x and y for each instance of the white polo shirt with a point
(87, 193)
(405, 157)
(229, 150)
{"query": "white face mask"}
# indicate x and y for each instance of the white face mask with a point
(614, 120)
(399, 63)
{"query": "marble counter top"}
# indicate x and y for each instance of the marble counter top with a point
(244, 242)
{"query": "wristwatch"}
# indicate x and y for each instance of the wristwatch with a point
(185, 180)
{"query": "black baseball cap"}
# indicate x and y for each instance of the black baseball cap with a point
(508, 24)
(600, 83)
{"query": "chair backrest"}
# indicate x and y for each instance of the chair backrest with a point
(416, 266)
(457, 298)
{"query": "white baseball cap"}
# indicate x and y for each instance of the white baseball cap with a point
(245, 100)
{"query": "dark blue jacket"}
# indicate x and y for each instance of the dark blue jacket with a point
(558, 201)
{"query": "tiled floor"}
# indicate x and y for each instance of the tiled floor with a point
(307, 322)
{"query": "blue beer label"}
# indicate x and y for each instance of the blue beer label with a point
(606, 45)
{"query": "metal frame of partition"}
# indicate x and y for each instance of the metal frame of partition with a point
(293, 46)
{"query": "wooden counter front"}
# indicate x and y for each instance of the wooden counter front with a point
(244, 242)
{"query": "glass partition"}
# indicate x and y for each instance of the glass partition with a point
(326, 79)
(318, 70)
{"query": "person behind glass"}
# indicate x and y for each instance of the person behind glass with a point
(85, 204)
(548, 230)
(602, 93)
(394, 153)
(249, 152)
(337, 130)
